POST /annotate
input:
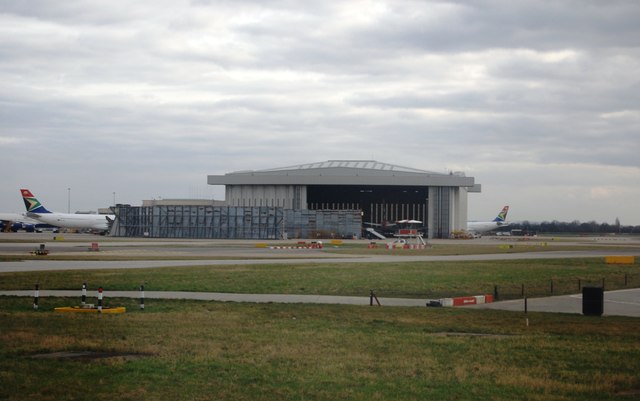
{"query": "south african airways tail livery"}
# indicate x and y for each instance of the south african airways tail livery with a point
(37, 211)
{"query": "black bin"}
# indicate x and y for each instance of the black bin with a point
(592, 301)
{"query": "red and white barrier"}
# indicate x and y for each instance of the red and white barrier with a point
(99, 299)
(463, 301)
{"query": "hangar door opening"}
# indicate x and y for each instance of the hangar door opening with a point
(378, 204)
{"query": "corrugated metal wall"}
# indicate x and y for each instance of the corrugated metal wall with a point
(441, 214)
(322, 223)
(219, 222)
(227, 222)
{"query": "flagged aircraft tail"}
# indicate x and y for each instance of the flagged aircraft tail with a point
(31, 203)
(502, 216)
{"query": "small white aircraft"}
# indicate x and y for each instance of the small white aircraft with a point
(479, 227)
(37, 211)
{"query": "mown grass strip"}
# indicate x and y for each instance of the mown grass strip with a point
(407, 279)
(207, 350)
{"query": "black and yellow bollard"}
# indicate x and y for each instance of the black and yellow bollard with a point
(36, 296)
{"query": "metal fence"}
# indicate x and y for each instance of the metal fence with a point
(530, 289)
(565, 286)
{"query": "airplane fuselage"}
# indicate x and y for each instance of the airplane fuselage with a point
(484, 226)
(70, 220)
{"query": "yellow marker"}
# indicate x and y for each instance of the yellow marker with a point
(619, 260)
(78, 309)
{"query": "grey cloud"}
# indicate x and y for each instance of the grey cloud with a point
(473, 25)
(215, 86)
(74, 11)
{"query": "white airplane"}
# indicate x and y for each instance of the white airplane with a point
(36, 211)
(479, 227)
(15, 222)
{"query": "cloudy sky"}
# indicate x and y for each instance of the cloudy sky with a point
(539, 101)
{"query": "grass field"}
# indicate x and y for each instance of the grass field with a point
(406, 279)
(192, 350)
(184, 350)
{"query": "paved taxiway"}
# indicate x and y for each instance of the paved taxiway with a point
(313, 257)
(43, 265)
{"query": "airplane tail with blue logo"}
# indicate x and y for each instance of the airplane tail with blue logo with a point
(502, 216)
(31, 203)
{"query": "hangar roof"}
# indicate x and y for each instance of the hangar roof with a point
(342, 172)
(350, 164)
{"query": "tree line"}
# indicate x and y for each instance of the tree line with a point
(575, 226)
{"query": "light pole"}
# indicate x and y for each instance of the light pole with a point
(114, 199)
(68, 200)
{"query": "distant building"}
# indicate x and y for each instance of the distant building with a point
(183, 202)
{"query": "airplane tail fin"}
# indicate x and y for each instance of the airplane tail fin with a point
(31, 203)
(502, 216)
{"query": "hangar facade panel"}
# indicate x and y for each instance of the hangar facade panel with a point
(230, 222)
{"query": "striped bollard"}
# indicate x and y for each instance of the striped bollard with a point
(84, 294)
(100, 300)
(36, 295)
(142, 297)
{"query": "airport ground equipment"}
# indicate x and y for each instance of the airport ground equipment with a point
(41, 251)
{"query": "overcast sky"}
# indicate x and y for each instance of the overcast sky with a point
(538, 101)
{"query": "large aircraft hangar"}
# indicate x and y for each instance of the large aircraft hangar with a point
(380, 193)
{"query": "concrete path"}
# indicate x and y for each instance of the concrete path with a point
(616, 303)
(226, 297)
